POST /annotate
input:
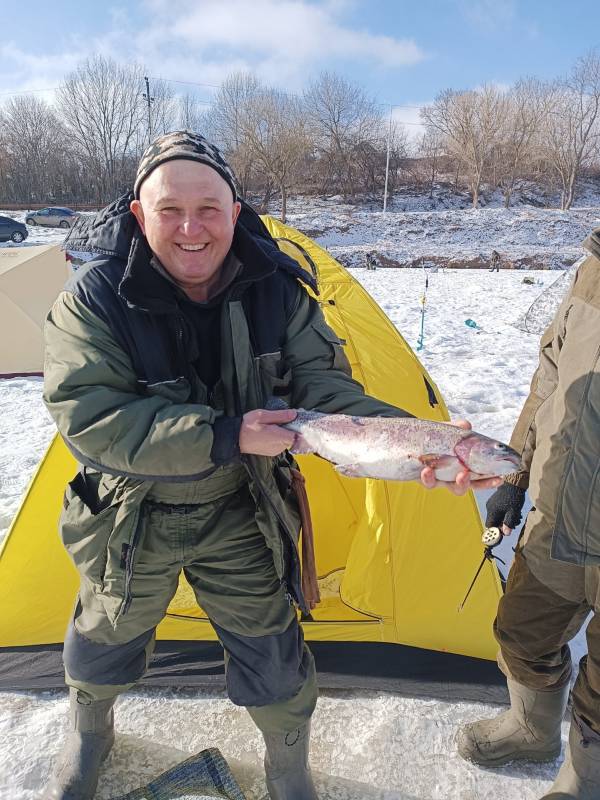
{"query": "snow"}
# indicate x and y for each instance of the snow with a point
(365, 744)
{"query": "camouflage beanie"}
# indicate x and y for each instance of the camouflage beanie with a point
(187, 145)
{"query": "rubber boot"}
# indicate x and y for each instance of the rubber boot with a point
(528, 731)
(75, 775)
(579, 776)
(286, 765)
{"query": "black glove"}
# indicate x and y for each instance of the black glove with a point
(505, 506)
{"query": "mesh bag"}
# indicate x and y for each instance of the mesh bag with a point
(204, 776)
(540, 313)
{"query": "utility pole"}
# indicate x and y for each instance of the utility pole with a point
(148, 100)
(387, 162)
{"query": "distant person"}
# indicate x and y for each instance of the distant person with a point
(495, 261)
(371, 260)
(554, 583)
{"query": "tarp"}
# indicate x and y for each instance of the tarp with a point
(30, 280)
(394, 560)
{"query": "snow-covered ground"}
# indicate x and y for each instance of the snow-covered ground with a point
(366, 744)
(525, 237)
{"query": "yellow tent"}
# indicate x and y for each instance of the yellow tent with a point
(394, 560)
(30, 280)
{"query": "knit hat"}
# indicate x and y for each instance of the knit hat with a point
(183, 144)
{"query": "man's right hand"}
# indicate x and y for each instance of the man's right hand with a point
(504, 508)
(261, 435)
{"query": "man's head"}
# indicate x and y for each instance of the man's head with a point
(186, 206)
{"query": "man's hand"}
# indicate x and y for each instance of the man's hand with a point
(462, 483)
(261, 435)
(504, 508)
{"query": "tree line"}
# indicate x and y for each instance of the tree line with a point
(335, 138)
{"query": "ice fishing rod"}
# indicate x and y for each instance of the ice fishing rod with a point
(423, 300)
(491, 537)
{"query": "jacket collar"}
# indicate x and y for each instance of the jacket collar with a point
(592, 243)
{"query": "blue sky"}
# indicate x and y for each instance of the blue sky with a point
(403, 52)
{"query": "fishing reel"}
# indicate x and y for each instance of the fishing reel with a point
(490, 538)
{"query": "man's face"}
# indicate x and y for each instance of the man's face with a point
(187, 213)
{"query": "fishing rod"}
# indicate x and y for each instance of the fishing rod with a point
(491, 537)
(423, 300)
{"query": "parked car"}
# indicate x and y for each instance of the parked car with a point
(13, 230)
(54, 217)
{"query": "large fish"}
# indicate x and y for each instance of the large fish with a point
(398, 448)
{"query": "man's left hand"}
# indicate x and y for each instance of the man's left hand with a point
(463, 482)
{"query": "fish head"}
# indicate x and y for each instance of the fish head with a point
(486, 456)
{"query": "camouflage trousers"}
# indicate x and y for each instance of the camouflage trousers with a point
(219, 548)
(545, 604)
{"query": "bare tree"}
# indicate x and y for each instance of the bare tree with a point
(342, 117)
(275, 138)
(34, 142)
(432, 150)
(102, 108)
(470, 122)
(571, 130)
(518, 144)
(189, 115)
(224, 122)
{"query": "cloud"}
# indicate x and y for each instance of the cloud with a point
(282, 41)
(299, 30)
(489, 16)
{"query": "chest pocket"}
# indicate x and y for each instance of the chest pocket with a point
(339, 359)
(274, 377)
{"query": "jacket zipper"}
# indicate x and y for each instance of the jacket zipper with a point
(129, 556)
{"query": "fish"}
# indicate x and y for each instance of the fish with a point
(399, 448)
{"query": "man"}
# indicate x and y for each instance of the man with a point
(554, 582)
(160, 358)
(495, 262)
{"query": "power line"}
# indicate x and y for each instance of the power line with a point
(188, 83)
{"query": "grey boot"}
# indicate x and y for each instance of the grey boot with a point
(579, 776)
(75, 775)
(529, 730)
(286, 765)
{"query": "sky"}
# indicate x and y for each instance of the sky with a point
(403, 52)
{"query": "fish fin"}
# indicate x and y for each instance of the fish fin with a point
(276, 404)
(351, 470)
(301, 447)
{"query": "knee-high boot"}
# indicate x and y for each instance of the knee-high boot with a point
(75, 775)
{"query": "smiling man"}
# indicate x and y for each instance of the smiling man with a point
(160, 358)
